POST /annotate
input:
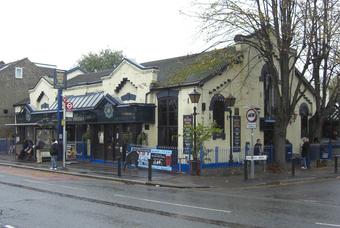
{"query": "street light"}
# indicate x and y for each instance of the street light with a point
(230, 102)
(194, 98)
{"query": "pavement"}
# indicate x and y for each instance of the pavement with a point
(233, 179)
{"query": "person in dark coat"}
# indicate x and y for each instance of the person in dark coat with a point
(305, 153)
(54, 153)
(258, 147)
(23, 151)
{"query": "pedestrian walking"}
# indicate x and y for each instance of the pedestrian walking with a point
(258, 147)
(305, 153)
(54, 152)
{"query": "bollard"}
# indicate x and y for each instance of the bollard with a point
(119, 167)
(293, 167)
(335, 164)
(150, 161)
(245, 170)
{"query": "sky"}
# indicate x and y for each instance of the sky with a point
(59, 32)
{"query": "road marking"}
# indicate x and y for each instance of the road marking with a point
(59, 185)
(8, 226)
(310, 201)
(173, 204)
(327, 224)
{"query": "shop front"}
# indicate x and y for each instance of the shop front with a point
(94, 128)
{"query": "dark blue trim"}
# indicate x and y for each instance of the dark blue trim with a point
(221, 165)
(100, 161)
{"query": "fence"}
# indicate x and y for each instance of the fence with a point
(217, 158)
(5, 145)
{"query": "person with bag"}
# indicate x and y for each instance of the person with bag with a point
(54, 153)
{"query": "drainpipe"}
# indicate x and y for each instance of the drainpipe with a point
(146, 97)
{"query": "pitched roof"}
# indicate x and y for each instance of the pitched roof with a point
(22, 102)
(5, 65)
(190, 69)
(88, 78)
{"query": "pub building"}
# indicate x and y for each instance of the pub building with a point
(152, 99)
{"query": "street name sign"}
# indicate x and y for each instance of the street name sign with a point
(256, 157)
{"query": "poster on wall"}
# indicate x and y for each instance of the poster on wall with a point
(237, 134)
(187, 139)
(71, 153)
(161, 159)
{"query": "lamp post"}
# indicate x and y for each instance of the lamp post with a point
(230, 102)
(194, 98)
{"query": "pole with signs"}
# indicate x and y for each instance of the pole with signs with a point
(59, 84)
(251, 116)
(64, 134)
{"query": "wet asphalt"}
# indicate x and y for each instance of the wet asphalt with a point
(38, 199)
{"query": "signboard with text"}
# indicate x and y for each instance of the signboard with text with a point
(236, 134)
(187, 139)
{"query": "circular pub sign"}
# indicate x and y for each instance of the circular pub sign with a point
(251, 115)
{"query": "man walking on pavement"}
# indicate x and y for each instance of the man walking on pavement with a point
(54, 152)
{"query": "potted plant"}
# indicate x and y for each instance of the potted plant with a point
(203, 133)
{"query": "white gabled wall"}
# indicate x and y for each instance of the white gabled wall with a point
(139, 81)
(42, 86)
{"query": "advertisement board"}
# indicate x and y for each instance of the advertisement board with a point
(161, 158)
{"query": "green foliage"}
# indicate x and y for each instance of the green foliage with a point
(105, 59)
(203, 134)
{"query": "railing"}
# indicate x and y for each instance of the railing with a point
(5, 145)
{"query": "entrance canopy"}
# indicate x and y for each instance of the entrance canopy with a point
(91, 108)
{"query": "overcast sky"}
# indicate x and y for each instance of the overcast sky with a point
(59, 32)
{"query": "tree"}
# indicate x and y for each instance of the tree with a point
(203, 133)
(323, 26)
(105, 59)
(275, 28)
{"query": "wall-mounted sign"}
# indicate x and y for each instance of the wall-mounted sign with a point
(187, 139)
(237, 134)
(108, 110)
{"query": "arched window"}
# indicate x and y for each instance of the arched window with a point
(268, 90)
(217, 106)
(304, 111)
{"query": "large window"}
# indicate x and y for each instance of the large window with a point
(269, 92)
(167, 121)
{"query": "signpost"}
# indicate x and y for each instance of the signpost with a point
(251, 116)
(67, 108)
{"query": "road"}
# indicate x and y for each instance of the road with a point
(40, 199)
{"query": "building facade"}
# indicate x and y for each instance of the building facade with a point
(152, 99)
(16, 79)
